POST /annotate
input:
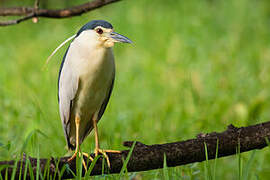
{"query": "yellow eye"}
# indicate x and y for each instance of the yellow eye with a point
(99, 30)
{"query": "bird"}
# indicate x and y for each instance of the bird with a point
(85, 83)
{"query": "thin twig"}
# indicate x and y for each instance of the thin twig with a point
(17, 21)
(36, 6)
(30, 12)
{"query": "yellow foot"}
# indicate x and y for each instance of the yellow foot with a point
(103, 152)
(83, 162)
(88, 156)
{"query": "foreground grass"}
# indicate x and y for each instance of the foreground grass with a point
(196, 66)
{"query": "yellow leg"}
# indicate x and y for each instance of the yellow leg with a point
(97, 149)
(77, 150)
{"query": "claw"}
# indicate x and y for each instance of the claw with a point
(104, 153)
(88, 156)
(83, 162)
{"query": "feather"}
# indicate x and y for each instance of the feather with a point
(61, 45)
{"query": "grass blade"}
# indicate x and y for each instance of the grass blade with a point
(28, 138)
(31, 171)
(249, 163)
(79, 167)
(14, 168)
(6, 175)
(20, 173)
(3, 167)
(267, 141)
(215, 162)
(38, 162)
(70, 170)
(46, 170)
(1, 178)
(207, 169)
(62, 172)
(240, 168)
(56, 168)
(26, 167)
(92, 165)
(165, 168)
(124, 168)
(103, 166)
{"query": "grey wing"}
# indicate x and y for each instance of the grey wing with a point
(106, 100)
(67, 89)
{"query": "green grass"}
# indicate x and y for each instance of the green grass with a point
(207, 168)
(195, 66)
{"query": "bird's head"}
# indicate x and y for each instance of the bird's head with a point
(101, 32)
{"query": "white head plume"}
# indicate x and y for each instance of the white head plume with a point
(62, 44)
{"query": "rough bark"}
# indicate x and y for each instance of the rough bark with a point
(147, 157)
(34, 12)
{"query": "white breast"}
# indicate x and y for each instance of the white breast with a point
(94, 67)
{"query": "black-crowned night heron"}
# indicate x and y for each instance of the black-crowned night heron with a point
(85, 82)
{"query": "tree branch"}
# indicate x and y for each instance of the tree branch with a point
(50, 13)
(147, 157)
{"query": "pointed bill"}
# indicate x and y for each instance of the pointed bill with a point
(119, 38)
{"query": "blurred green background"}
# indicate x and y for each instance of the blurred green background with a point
(195, 66)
